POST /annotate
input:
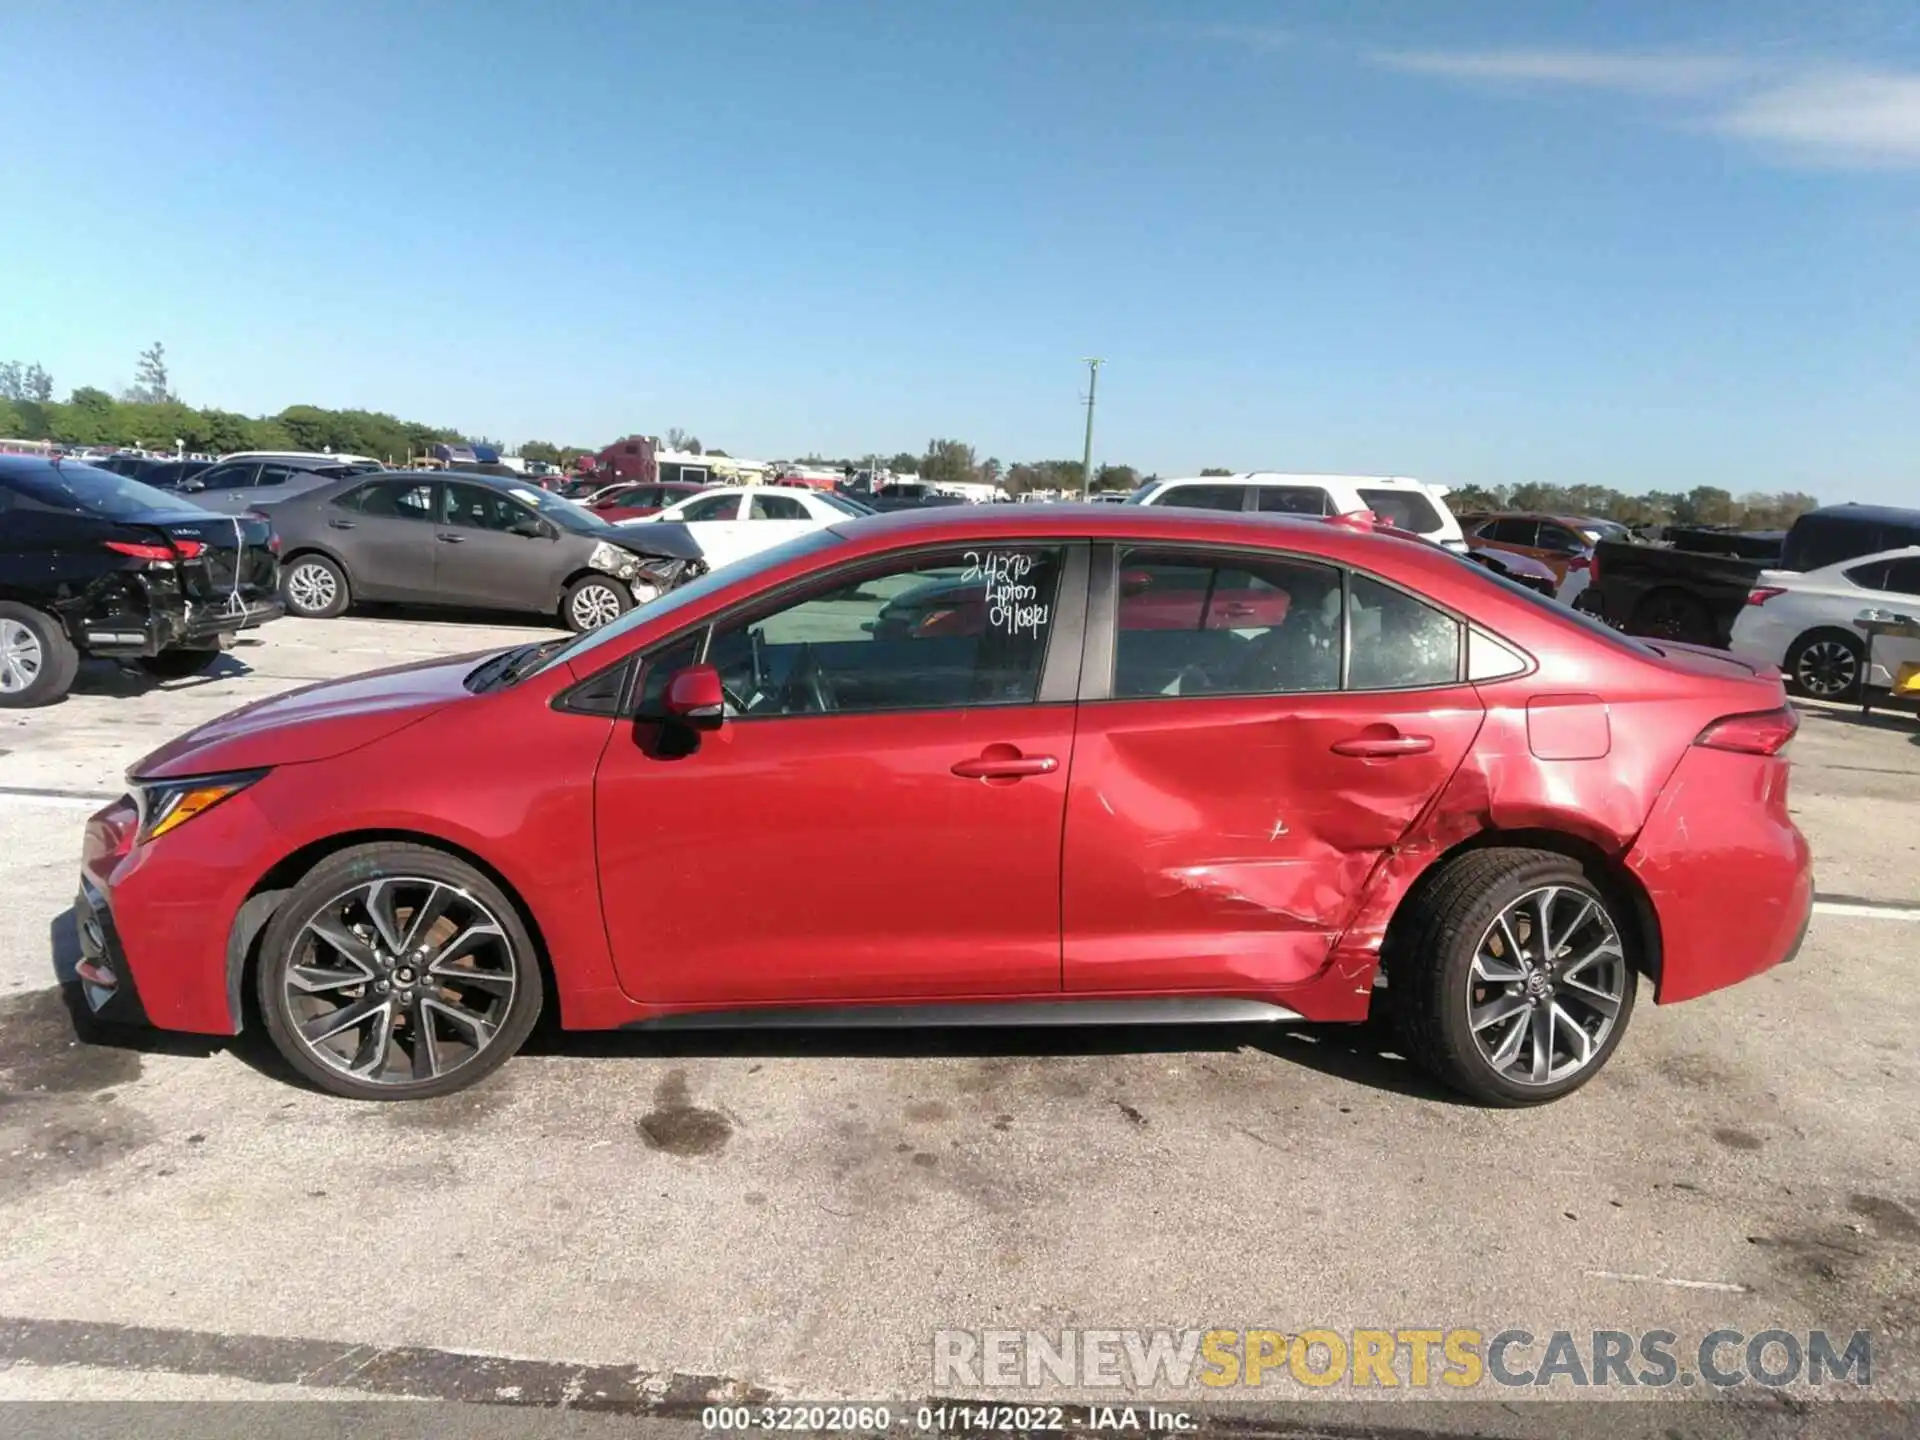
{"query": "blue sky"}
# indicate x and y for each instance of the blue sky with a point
(1642, 245)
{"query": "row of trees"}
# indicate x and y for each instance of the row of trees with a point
(150, 415)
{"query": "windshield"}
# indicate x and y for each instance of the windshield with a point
(694, 591)
(86, 490)
(562, 511)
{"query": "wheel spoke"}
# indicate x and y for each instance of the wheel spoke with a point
(1496, 1010)
(1495, 970)
(494, 982)
(1607, 949)
(462, 944)
(1508, 1050)
(1541, 1027)
(1515, 951)
(348, 945)
(316, 980)
(1587, 907)
(1591, 997)
(478, 1026)
(1543, 922)
(426, 1050)
(325, 1027)
(386, 919)
(371, 1057)
(426, 916)
(1576, 1034)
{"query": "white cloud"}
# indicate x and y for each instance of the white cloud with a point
(1842, 118)
(1674, 75)
(1809, 114)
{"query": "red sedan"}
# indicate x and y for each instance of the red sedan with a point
(630, 502)
(1143, 789)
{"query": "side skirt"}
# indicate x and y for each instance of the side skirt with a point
(1176, 1010)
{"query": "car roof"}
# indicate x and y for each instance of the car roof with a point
(1289, 477)
(1877, 514)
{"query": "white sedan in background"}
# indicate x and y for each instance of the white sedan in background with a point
(1802, 621)
(738, 520)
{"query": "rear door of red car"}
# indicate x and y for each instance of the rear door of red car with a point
(879, 815)
(1234, 786)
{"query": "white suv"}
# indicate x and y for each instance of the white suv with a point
(1402, 503)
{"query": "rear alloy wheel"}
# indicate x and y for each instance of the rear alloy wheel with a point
(593, 601)
(1512, 980)
(315, 588)
(1827, 665)
(37, 661)
(396, 972)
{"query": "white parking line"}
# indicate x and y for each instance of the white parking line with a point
(1725, 1286)
(1865, 911)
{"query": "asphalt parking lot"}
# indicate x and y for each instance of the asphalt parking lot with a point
(796, 1215)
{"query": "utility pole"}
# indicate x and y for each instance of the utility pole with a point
(1086, 459)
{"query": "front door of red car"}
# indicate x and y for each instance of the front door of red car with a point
(877, 817)
(1230, 797)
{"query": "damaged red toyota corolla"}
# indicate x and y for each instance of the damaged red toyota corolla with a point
(1050, 765)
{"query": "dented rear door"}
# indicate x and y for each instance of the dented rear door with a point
(1222, 843)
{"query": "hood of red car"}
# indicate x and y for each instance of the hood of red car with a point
(314, 723)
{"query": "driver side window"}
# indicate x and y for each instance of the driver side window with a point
(961, 628)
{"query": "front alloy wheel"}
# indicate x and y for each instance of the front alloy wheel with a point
(594, 602)
(400, 974)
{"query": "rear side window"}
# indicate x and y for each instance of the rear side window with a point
(1291, 500)
(776, 507)
(1400, 643)
(1404, 510)
(1204, 497)
(1903, 576)
(1195, 625)
(1513, 531)
(717, 507)
(1817, 541)
(397, 502)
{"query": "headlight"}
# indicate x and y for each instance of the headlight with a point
(168, 804)
(614, 561)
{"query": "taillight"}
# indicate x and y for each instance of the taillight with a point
(1760, 594)
(1759, 732)
(161, 553)
(1580, 562)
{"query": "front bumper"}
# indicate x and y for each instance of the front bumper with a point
(105, 977)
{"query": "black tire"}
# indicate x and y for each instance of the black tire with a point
(1432, 985)
(1834, 663)
(321, 593)
(47, 660)
(179, 663)
(408, 871)
(1674, 615)
(593, 596)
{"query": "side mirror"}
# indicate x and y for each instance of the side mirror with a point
(1135, 582)
(191, 486)
(531, 529)
(695, 694)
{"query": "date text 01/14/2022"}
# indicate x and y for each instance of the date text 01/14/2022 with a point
(946, 1418)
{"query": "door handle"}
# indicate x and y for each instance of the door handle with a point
(340, 524)
(1383, 747)
(446, 539)
(1004, 767)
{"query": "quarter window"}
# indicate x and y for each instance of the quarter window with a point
(959, 629)
(1399, 643)
(1195, 625)
(1404, 510)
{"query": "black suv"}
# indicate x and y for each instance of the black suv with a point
(92, 563)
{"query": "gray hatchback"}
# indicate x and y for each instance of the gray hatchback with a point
(430, 538)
